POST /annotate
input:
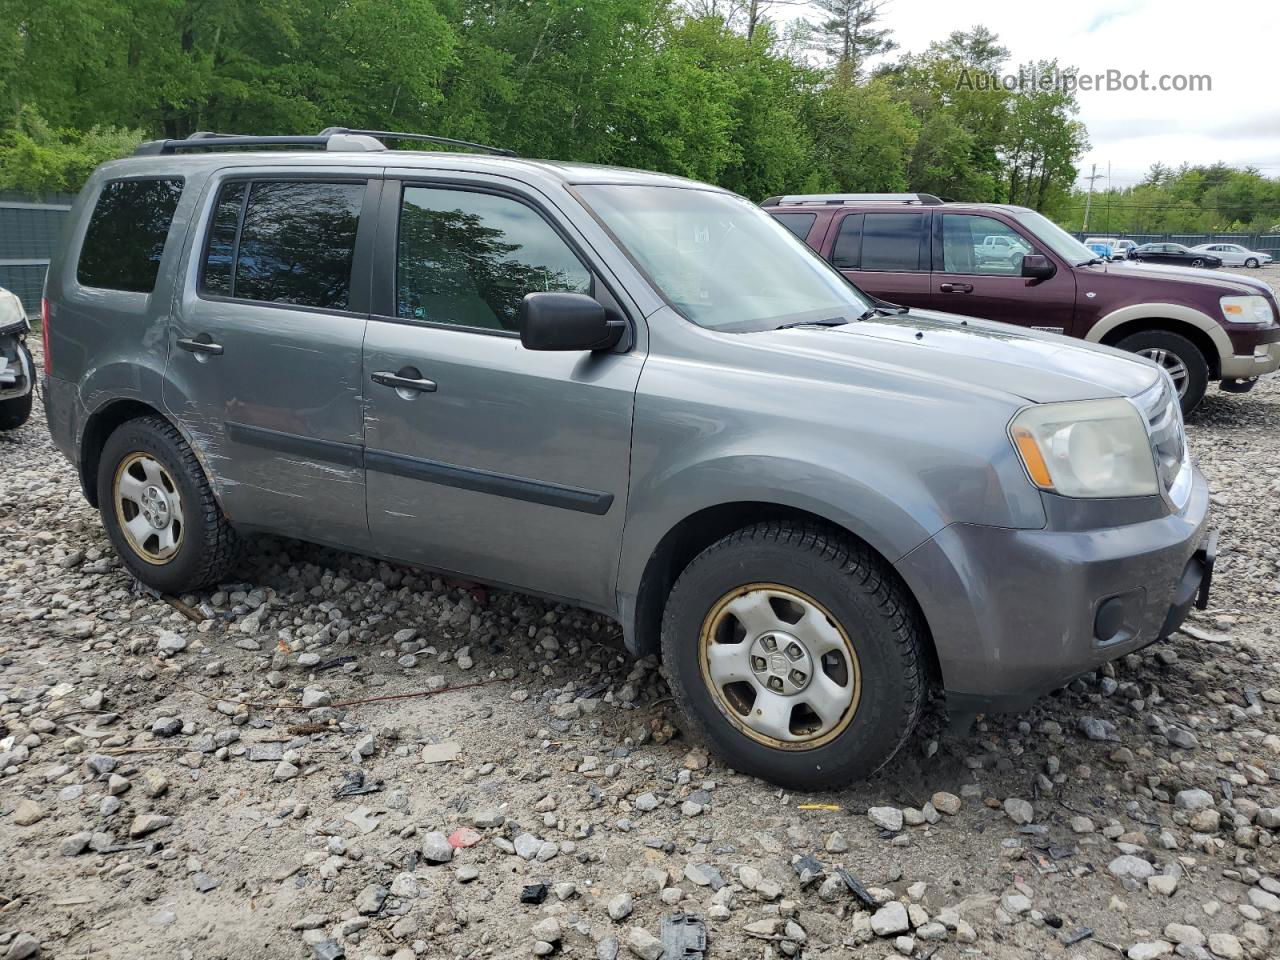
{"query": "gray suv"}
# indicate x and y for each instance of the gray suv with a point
(628, 391)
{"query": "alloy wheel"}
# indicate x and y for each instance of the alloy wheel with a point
(148, 508)
(1173, 365)
(779, 666)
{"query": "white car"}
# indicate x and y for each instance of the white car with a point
(1119, 248)
(1234, 255)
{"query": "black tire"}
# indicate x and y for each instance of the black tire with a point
(874, 611)
(1197, 380)
(208, 548)
(15, 411)
(1252, 263)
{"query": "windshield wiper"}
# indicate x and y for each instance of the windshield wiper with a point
(1090, 263)
(829, 322)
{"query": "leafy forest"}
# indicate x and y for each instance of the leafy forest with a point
(760, 96)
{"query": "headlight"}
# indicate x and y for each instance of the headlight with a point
(1246, 309)
(1088, 448)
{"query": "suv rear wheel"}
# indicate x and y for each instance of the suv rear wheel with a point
(795, 654)
(1185, 364)
(159, 510)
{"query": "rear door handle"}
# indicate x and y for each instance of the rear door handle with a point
(197, 345)
(420, 384)
(956, 287)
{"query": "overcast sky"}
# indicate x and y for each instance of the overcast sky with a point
(1236, 42)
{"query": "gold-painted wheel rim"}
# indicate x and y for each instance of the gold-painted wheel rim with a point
(148, 508)
(779, 666)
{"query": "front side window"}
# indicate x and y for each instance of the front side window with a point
(289, 242)
(126, 234)
(720, 260)
(469, 258)
(981, 246)
(892, 241)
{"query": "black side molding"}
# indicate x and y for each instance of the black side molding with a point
(331, 451)
(482, 481)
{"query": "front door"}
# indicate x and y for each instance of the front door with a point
(263, 367)
(977, 272)
(486, 459)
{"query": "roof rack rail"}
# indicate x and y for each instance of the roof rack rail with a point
(426, 137)
(206, 140)
(798, 199)
(330, 138)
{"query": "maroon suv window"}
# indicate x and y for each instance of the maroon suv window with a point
(892, 241)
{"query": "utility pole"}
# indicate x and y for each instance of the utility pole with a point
(1088, 200)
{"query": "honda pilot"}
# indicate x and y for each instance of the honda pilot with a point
(622, 390)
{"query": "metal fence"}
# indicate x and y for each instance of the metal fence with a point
(1263, 242)
(29, 229)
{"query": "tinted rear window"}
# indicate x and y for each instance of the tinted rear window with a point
(293, 243)
(797, 223)
(892, 241)
(847, 254)
(126, 234)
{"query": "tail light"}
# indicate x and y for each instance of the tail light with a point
(44, 335)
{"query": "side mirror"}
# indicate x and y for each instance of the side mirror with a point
(566, 321)
(1036, 266)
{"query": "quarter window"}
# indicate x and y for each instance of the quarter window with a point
(797, 223)
(469, 258)
(126, 234)
(288, 242)
(892, 241)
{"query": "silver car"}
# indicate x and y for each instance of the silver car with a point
(1234, 255)
(17, 373)
(628, 391)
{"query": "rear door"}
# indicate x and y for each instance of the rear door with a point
(495, 462)
(264, 359)
(977, 271)
(884, 253)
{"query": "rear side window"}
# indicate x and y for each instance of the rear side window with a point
(797, 223)
(847, 254)
(892, 241)
(283, 242)
(126, 234)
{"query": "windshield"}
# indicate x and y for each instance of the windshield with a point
(722, 261)
(1055, 238)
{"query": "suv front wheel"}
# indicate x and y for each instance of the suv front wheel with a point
(1181, 358)
(159, 510)
(796, 654)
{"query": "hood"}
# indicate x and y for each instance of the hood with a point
(976, 354)
(1226, 284)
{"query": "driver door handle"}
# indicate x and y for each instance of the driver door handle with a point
(196, 345)
(956, 287)
(388, 379)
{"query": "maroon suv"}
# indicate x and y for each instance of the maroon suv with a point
(1012, 264)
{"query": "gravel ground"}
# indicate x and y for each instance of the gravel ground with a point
(191, 780)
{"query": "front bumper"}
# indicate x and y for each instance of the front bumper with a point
(1017, 613)
(1255, 353)
(16, 372)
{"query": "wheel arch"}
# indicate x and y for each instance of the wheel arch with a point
(1208, 336)
(104, 421)
(642, 617)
